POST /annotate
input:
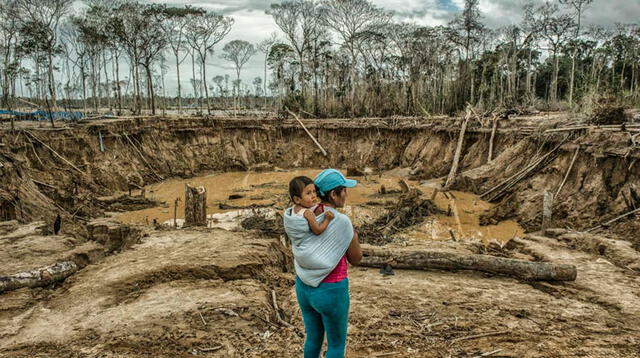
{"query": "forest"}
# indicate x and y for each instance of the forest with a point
(332, 58)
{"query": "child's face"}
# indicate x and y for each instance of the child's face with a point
(308, 196)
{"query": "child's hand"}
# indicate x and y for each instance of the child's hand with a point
(329, 215)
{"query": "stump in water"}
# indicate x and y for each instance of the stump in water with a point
(195, 206)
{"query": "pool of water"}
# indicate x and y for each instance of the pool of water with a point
(226, 192)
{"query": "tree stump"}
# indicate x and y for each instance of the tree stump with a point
(195, 206)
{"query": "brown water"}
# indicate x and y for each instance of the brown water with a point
(271, 187)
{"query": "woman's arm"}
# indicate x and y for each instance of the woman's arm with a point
(354, 252)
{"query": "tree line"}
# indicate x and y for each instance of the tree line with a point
(335, 58)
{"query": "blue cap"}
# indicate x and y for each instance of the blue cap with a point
(331, 178)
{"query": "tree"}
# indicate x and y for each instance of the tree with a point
(174, 25)
(299, 21)
(43, 18)
(203, 33)
(349, 18)
(467, 30)
(579, 6)
(556, 29)
(9, 31)
(238, 52)
(265, 47)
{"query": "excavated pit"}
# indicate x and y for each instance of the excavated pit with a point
(145, 291)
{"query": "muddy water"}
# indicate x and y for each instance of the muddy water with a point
(238, 189)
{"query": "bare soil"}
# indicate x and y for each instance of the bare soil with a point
(208, 293)
(181, 293)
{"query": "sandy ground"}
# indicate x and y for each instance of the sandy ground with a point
(208, 293)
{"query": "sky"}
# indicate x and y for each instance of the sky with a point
(253, 24)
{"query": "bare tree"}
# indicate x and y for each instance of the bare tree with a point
(46, 15)
(9, 31)
(265, 47)
(579, 6)
(556, 30)
(203, 33)
(238, 52)
(174, 29)
(349, 18)
(298, 19)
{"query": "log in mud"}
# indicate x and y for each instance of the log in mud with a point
(438, 260)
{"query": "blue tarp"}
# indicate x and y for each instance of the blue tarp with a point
(41, 115)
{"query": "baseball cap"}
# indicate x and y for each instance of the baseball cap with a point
(331, 178)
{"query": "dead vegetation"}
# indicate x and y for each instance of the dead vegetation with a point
(410, 209)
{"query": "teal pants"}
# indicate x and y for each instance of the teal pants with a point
(325, 309)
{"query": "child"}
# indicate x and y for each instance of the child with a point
(302, 191)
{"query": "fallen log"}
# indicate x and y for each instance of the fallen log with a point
(39, 277)
(426, 260)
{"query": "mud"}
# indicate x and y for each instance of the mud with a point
(181, 293)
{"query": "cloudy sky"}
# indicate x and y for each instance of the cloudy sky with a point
(253, 24)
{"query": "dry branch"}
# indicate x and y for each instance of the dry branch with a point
(54, 152)
(517, 177)
(614, 220)
(142, 157)
(324, 152)
(566, 175)
(425, 260)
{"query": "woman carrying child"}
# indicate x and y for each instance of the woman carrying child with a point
(321, 247)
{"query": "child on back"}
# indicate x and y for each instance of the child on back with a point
(302, 191)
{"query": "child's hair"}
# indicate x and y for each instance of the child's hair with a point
(297, 185)
(327, 196)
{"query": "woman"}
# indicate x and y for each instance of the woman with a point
(325, 307)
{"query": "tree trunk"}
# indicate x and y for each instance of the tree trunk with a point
(204, 83)
(438, 260)
(195, 206)
(52, 85)
(572, 77)
(39, 277)
(106, 79)
(152, 96)
(179, 86)
(118, 89)
(265, 80)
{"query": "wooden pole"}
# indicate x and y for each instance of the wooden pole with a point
(456, 158)
(324, 152)
(547, 209)
(493, 135)
(573, 160)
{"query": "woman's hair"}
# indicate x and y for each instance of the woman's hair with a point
(327, 196)
(297, 185)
